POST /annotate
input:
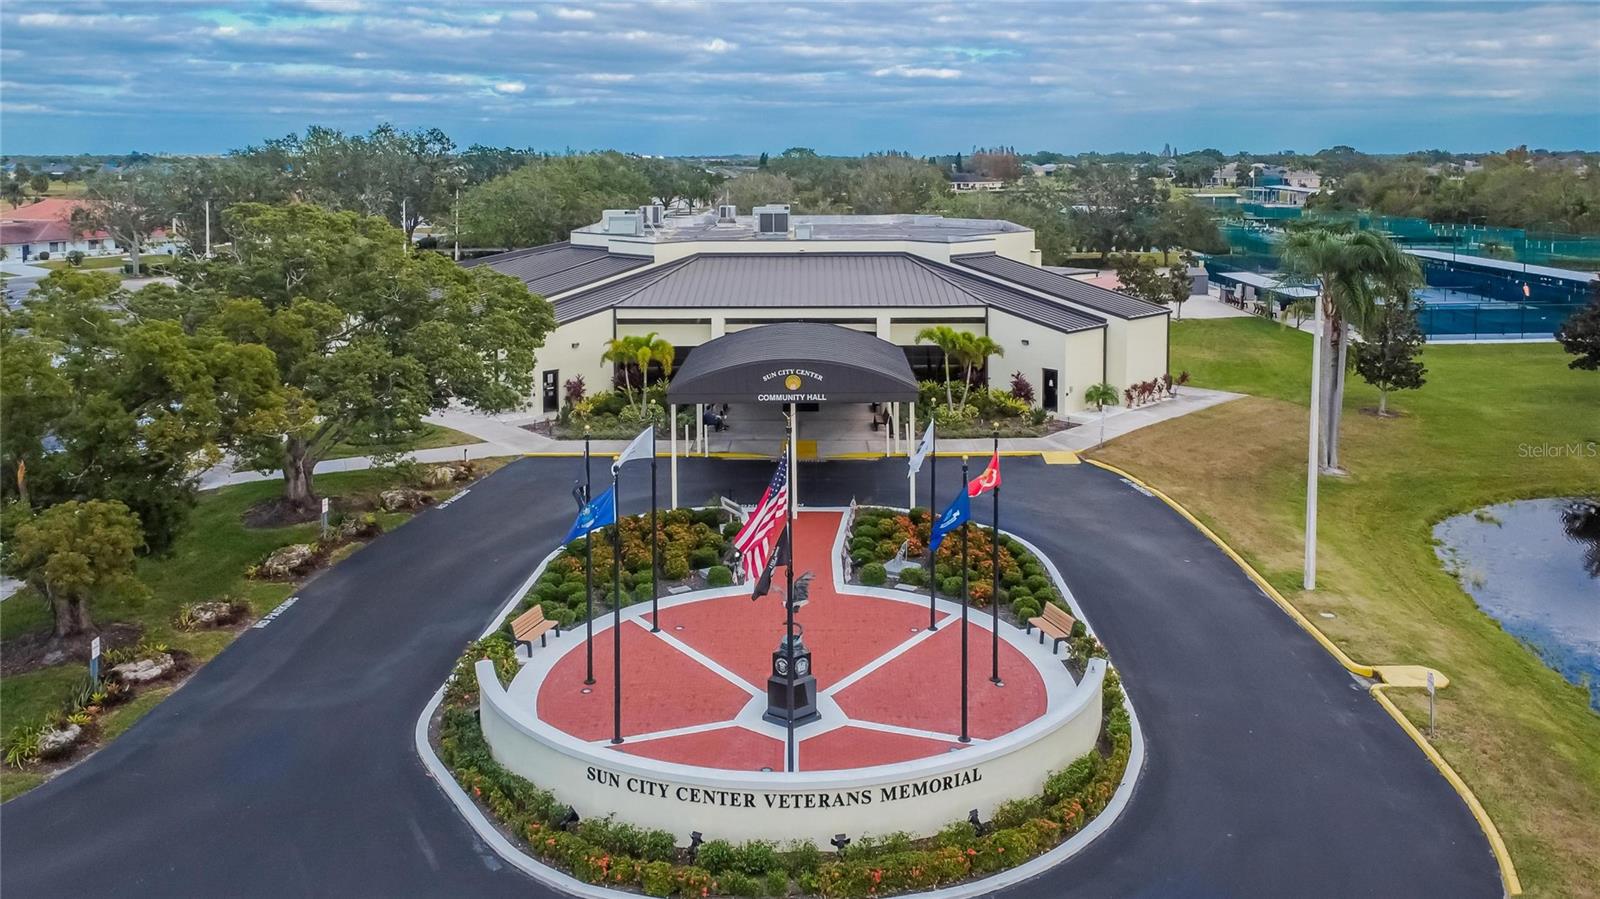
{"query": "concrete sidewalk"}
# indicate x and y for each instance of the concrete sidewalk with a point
(759, 433)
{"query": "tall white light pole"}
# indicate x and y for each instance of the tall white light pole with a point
(208, 228)
(1309, 580)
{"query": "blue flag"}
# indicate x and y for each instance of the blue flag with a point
(957, 512)
(599, 512)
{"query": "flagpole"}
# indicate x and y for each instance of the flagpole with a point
(655, 544)
(994, 592)
(964, 578)
(788, 601)
(933, 497)
(588, 568)
(616, 609)
(911, 476)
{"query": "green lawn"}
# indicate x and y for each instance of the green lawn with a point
(57, 261)
(207, 562)
(1521, 736)
(430, 436)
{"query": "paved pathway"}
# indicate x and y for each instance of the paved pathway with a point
(501, 438)
(285, 767)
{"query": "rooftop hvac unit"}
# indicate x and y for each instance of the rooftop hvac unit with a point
(772, 220)
(623, 221)
(727, 215)
(802, 230)
(652, 215)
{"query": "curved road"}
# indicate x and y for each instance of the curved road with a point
(286, 765)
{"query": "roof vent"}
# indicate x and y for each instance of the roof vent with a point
(802, 230)
(727, 215)
(622, 221)
(652, 215)
(772, 220)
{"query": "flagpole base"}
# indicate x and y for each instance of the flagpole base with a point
(997, 682)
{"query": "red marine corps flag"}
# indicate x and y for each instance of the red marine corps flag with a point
(988, 480)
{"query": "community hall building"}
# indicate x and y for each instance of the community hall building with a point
(701, 281)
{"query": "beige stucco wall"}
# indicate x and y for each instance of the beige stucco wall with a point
(1076, 357)
(1145, 350)
(573, 349)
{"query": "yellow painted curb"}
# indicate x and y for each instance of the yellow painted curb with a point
(1390, 675)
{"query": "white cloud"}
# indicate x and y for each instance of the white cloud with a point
(718, 45)
(574, 15)
(510, 87)
(916, 72)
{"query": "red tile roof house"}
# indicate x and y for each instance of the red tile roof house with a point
(46, 227)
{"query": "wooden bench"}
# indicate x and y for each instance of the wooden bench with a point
(1055, 622)
(530, 624)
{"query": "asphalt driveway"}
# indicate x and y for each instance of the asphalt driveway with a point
(286, 766)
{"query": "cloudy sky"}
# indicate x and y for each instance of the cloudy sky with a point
(696, 77)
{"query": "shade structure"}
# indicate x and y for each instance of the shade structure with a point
(794, 362)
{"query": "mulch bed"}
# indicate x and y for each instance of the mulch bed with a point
(29, 652)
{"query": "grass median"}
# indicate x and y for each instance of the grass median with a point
(1522, 737)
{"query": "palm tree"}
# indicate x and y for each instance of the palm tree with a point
(1355, 275)
(948, 340)
(1101, 395)
(639, 351)
(974, 350)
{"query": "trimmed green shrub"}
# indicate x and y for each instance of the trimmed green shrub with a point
(916, 576)
(731, 529)
(1017, 812)
(675, 566)
(861, 556)
(719, 576)
(642, 593)
(1024, 609)
(1038, 584)
(1072, 778)
(716, 856)
(756, 858)
(951, 586)
(800, 856)
(873, 574)
(859, 544)
(1031, 568)
(1079, 629)
(703, 557)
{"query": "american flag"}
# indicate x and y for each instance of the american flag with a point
(753, 540)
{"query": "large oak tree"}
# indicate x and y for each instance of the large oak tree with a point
(367, 336)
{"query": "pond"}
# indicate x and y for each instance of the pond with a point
(1534, 565)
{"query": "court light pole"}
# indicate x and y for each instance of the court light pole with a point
(1308, 578)
(788, 626)
(655, 542)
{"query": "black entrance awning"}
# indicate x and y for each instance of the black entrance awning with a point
(794, 362)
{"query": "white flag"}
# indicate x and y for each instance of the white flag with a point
(922, 450)
(642, 447)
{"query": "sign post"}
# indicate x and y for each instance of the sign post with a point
(1430, 704)
(94, 660)
(324, 516)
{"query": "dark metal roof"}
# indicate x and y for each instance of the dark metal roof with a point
(817, 280)
(557, 267)
(801, 362)
(1023, 305)
(1073, 291)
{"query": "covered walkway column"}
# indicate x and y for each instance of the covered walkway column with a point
(672, 443)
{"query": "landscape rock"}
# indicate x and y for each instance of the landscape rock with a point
(403, 499)
(288, 561)
(439, 476)
(206, 614)
(58, 740)
(53, 657)
(143, 671)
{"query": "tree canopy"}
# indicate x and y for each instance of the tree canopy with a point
(543, 201)
(364, 336)
(75, 552)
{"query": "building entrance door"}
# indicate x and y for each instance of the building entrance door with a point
(1049, 390)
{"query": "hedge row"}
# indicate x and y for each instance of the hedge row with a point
(1025, 585)
(604, 851)
(689, 539)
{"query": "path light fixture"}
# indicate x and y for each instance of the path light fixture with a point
(840, 841)
(695, 839)
(978, 826)
(570, 819)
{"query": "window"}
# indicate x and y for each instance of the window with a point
(55, 246)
